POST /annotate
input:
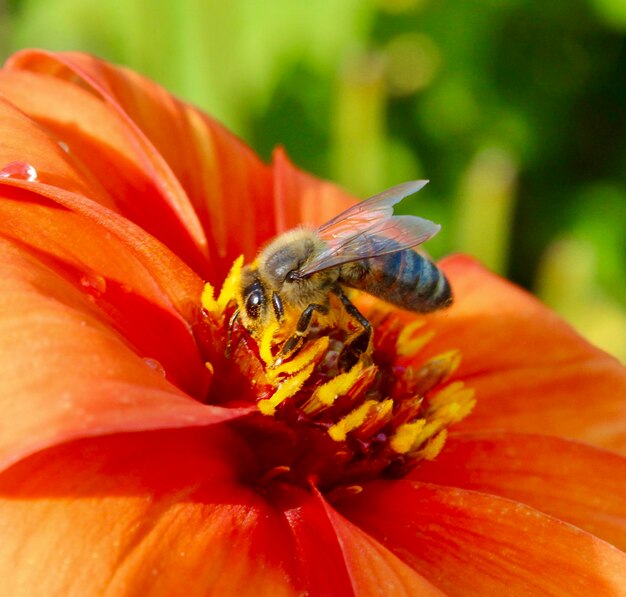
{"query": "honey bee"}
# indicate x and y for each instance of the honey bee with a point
(366, 247)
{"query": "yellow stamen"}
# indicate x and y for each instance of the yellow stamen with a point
(425, 438)
(453, 403)
(357, 417)
(436, 371)
(230, 284)
(309, 354)
(286, 389)
(338, 386)
(409, 342)
(434, 446)
(376, 419)
(405, 436)
(265, 346)
(209, 366)
(208, 298)
(354, 381)
(227, 293)
(430, 428)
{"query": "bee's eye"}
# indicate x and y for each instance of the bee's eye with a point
(253, 304)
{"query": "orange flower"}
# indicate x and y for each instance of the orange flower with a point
(130, 466)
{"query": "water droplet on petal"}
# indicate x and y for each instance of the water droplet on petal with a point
(93, 284)
(155, 365)
(64, 146)
(19, 171)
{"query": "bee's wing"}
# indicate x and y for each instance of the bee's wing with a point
(369, 229)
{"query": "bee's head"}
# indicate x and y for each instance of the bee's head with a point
(254, 300)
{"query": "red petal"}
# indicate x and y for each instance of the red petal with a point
(162, 514)
(373, 569)
(66, 373)
(150, 296)
(570, 481)
(101, 149)
(26, 142)
(467, 543)
(532, 372)
(203, 169)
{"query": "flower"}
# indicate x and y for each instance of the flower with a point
(130, 466)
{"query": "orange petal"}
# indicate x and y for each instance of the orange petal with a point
(67, 373)
(208, 176)
(304, 199)
(24, 141)
(573, 482)
(89, 136)
(160, 513)
(468, 543)
(532, 372)
(149, 295)
(373, 569)
(84, 236)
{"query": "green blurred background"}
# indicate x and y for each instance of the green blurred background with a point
(515, 109)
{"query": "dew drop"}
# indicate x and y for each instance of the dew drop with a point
(64, 146)
(93, 284)
(155, 365)
(19, 171)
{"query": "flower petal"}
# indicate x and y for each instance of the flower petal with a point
(67, 373)
(88, 135)
(373, 569)
(532, 372)
(149, 295)
(468, 543)
(573, 482)
(161, 513)
(208, 176)
(24, 141)
(60, 183)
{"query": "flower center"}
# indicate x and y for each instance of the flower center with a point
(316, 423)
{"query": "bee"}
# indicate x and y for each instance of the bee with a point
(366, 247)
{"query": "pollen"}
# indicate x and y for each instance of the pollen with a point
(338, 386)
(285, 390)
(406, 435)
(411, 340)
(208, 299)
(267, 340)
(433, 447)
(372, 409)
(319, 419)
(311, 353)
(227, 293)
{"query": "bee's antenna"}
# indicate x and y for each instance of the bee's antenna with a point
(231, 325)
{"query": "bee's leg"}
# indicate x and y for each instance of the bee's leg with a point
(278, 307)
(351, 352)
(231, 325)
(295, 342)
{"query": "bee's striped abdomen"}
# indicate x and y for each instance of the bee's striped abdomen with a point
(405, 278)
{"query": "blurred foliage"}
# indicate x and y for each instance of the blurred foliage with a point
(514, 109)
